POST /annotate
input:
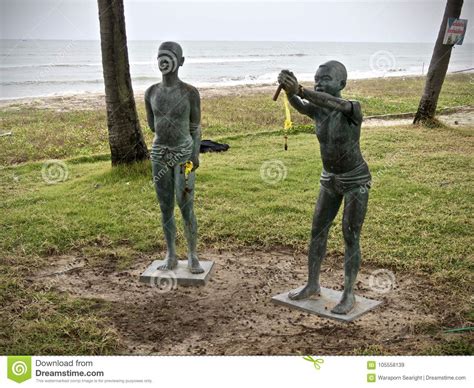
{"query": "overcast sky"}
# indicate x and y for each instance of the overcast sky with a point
(338, 21)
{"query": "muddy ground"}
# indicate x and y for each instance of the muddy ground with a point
(233, 313)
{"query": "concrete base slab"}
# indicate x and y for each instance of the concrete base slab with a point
(179, 276)
(322, 305)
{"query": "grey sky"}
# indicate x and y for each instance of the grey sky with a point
(343, 21)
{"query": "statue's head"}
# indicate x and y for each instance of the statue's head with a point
(170, 57)
(330, 78)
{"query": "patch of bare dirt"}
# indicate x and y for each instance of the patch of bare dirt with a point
(233, 313)
(464, 117)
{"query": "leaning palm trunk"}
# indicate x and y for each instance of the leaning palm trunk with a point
(438, 67)
(125, 136)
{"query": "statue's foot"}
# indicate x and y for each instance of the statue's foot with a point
(194, 266)
(171, 262)
(304, 293)
(345, 305)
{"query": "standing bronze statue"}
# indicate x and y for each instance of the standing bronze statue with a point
(345, 173)
(173, 111)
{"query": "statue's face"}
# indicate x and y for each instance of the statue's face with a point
(169, 59)
(327, 80)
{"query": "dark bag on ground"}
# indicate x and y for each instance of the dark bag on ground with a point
(212, 146)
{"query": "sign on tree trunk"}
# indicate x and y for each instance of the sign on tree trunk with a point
(455, 31)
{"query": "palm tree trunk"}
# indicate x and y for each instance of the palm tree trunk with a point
(125, 136)
(438, 67)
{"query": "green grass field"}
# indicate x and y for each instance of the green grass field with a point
(419, 218)
(46, 133)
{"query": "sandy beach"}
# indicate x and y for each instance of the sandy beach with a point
(93, 101)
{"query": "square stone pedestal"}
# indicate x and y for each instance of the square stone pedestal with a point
(323, 304)
(179, 276)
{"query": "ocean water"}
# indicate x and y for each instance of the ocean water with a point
(31, 68)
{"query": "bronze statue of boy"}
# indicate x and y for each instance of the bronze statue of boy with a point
(173, 111)
(345, 173)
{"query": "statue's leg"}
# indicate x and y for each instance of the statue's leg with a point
(327, 205)
(355, 208)
(185, 198)
(163, 179)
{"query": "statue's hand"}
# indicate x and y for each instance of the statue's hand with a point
(195, 160)
(289, 82)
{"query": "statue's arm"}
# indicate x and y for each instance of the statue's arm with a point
(301, 106)
(351, 109)
(150, 118)
(326, 100)
(195, 125)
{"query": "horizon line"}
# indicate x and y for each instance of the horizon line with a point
(225, 41)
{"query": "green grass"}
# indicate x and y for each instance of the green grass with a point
(419, 207)
(419, 218)
(452, 347)
(36, 321)
(49, 134)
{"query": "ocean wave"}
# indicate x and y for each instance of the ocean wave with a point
(246, 79)
(145, 78)
(227, 60)
(49, 65)
(141, 82)
(52, 82)
(72, 82)
(196, 60)
(241, 58)
(224, 80)
(262, 79)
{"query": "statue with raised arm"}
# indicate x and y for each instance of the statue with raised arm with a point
(173, 111)
(345, 174)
